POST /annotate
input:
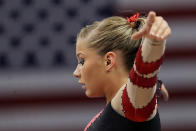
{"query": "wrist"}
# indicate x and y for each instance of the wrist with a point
(154, 42)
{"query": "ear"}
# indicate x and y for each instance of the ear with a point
(110, 60)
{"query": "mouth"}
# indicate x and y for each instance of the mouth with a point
(83, 85)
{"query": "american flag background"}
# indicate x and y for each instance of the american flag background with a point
(37, 58)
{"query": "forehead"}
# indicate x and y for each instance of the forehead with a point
(81, 45)
(83, 49)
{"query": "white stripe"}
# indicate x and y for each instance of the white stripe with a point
(180, 73)
(178, 113)
(150, 75)
(183, 33)
(139, 96)
(38, 83)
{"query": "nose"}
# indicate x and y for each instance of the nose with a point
(76, 73)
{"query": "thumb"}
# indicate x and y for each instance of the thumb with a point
(146, 29)
(139, 34)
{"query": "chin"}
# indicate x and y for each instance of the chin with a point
(92, 95)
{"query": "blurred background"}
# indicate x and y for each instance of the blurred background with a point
(37, 58)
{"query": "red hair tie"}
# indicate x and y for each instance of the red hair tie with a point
(133, 18)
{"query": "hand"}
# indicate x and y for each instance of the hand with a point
(156, 28)
(164, 93)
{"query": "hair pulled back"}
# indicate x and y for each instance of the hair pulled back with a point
(113, 33)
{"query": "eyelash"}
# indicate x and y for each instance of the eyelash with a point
(81, 61)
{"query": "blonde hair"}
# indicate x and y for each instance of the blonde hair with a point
(113, 33)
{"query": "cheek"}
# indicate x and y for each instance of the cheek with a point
(93, 78)
(88, 73)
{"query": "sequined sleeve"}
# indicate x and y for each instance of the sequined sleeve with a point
(136, 100)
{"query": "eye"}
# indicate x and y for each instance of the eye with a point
(81, 61)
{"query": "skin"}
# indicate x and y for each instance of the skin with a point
(99, 75)
(164, 93)
(103, 76)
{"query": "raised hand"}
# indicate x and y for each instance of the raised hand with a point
(156, 28)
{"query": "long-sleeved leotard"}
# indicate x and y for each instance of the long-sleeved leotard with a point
(135, 104)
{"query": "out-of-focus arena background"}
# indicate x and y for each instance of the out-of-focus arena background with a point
(37, 58)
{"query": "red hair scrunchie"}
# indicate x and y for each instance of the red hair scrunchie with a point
(133, 18)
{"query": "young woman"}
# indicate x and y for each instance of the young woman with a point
(119, 59)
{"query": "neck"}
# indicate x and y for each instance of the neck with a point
(116, 82)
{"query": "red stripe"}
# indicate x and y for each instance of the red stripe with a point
(138, 115)
(177, 127)
(141, 81)
(146, 68)
(176, 12)
(93, 120)
(181, 53)
(166, 13)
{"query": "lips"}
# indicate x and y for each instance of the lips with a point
(83, 85)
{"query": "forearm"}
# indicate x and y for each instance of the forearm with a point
(143, 78)
(149, 58)
(138, 96)
(152, 50)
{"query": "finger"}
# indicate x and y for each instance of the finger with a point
(150, 20)
(138, 34)
(161, 37)
(156, 25)
(146, 28)
(166, 34)
(162, 29)
(158, 32)
(164, 92)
